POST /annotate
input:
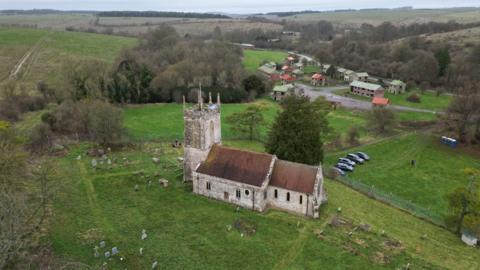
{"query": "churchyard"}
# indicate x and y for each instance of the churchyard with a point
(120, 197)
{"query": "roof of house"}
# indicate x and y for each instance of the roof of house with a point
(362, 74)
(348, 72)
(236, 165)
(287, 77)
(380, 101)
(297, 71)
(268, 68)
(397, 82)
(365, 85)
(294, 176)
(290, 58)
(282, 88)
(341, 70)
(317, 76)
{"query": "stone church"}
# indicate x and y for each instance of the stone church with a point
(248, 179)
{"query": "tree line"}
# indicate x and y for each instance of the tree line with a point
(164, 14)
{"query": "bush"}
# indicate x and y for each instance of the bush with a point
(40, 139)
(414, 98)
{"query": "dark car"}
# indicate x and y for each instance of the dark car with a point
(355, 158)
(344, 167)
(347, 161)
(363, 156)
(339, 171)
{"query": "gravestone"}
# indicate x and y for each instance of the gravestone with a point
(79, 157)
(141, 251)
(144, 234)
(154, 264)
(109, 162)
(149, 183)
(156, 160)
(107, 254)
(136, 188)
(163, 182)
(94, 163)
(102, 244)
(96, 253)
(114, 250)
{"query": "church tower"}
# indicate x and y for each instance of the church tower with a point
(202, 130)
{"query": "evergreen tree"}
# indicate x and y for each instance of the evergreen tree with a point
(296, 132)
(443, 59)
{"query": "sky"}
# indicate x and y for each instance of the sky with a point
(229, 6)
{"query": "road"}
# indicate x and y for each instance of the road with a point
(328, 93)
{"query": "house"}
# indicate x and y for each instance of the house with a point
(349, 75)
(255, 181)
(287, 68)
(280, 91)
(287, 79)
(340, 73)
(318, 80)
(380, 102)
(298, 73)
(397, 87)
(324, 68)
(366, 89)
(268, 70)
(361, 76)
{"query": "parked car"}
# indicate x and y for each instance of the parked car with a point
(344, 167)
(347, 161)
(355, 158)
(339, 171)
(363, 156)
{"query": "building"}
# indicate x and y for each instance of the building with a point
(361, 76)
(397, 87)
(269, 71)
(366, 89)
(318, 80)
(380, 102)
(349, 75)
(256, 181)
(280, 91)
(287, 79)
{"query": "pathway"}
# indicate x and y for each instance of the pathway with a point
(18, 67)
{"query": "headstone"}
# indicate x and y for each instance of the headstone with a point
(79, 157)
(94, 163)
(109, 162)
(141, 251)
(163, 182)
(156, 160)
(149, 183)
(114, 250)
(102, 244)
(144, 235)
(154, 264)
(136, 188)
(107, 254)
(96, 253)
(104, 157)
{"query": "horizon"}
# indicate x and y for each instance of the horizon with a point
(231, 6)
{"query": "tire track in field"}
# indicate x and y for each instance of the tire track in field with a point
(18, 67)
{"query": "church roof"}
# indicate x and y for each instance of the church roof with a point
(236, 165)
(294, 176)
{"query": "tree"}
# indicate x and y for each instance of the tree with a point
(247, 122)
(443, 59)
(381, 120)
(254, 85)
(104, 123)
(353, 136)
(41, 138)
(217, 33)
(423, 67)
(296, 133)
(85, 78)
(464, 203)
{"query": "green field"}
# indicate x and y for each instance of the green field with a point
(191, 232)
(54, 50)
(438, 170)
(428, 100)
(252, 59)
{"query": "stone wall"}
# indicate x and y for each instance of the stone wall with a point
(251, 197)
(281, 202)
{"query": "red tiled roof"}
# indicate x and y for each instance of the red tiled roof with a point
(290, 58)
(380, 101)
(286, 67)
(294, 176)
(236, 165)
(287, 77)
(317, 76)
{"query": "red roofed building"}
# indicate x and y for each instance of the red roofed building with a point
(287, 78)
(380, 102)
(287, 68)
(318, 79)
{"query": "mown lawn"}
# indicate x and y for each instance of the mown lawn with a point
(252, 59)
(186, 231)
(438, 169)
(428, 100)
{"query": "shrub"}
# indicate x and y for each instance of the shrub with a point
(414, 97)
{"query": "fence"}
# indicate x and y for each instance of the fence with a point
(392, 200)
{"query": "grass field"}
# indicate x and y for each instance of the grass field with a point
(252, 59)
(376, 17)
(55, 49)
(438, 170)
(191, 232)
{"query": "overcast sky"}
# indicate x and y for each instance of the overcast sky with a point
(231, 6)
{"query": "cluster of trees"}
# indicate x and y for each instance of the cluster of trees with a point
(163, 14)
(15, 100)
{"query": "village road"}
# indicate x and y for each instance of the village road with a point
(328, 93)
